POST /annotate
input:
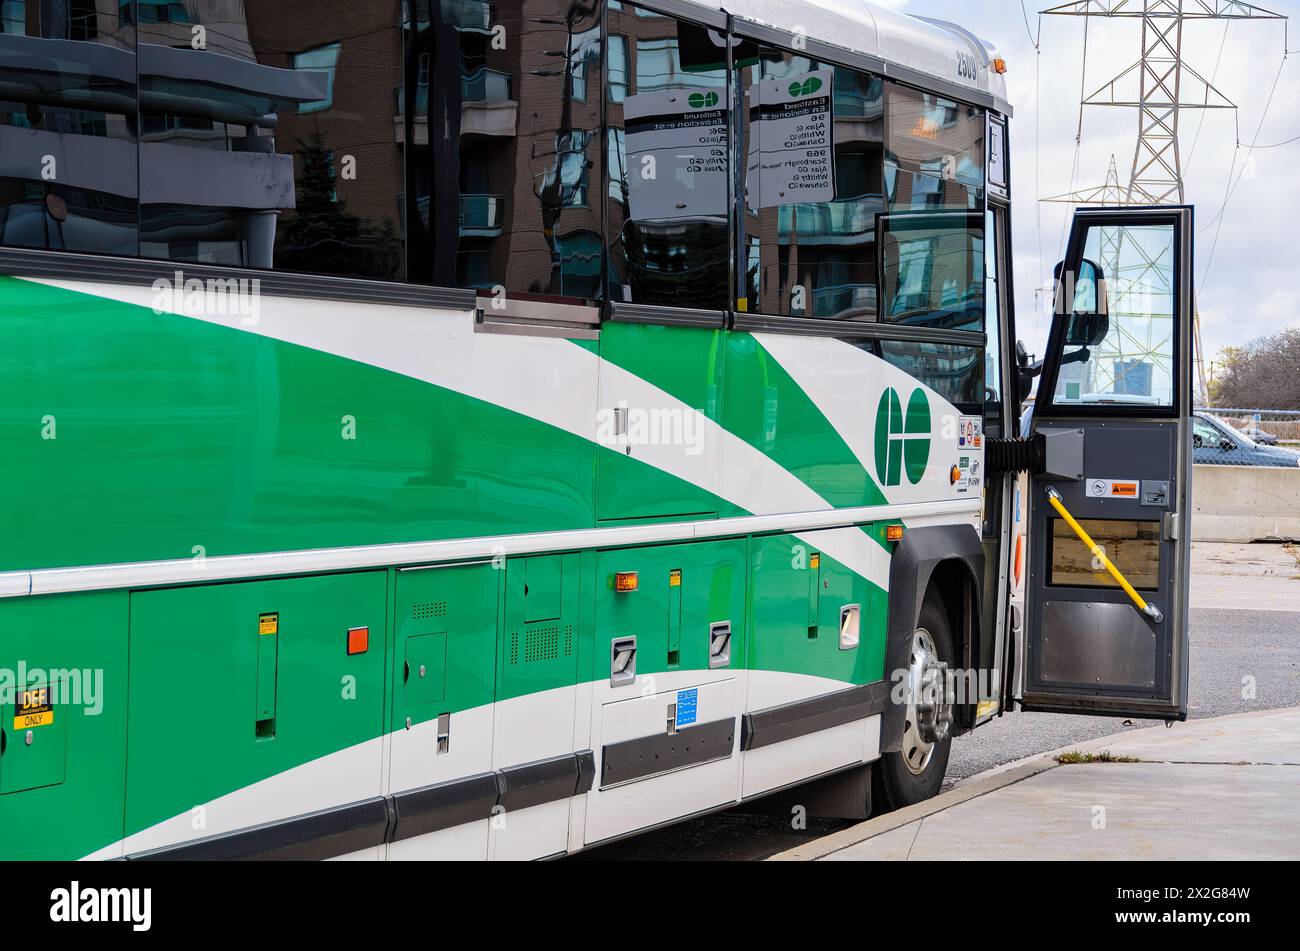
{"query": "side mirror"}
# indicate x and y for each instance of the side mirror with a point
(1027, 369)
(1089, 315)
(1227, 445)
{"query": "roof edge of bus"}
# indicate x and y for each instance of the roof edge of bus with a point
(935, 48)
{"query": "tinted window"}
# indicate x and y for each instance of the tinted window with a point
(667, 222)
(269, 137)
(813, 136)
(933, 250)
(955, 373)
(934, 151)
(933, 269)
(68, 177)
(506, 155)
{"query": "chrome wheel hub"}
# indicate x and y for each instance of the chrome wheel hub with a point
(929, 715)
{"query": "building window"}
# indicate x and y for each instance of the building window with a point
(617, 68)
(13, 17)
(584, 52)
(323, 59)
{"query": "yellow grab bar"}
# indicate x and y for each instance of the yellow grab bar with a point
(1146, 607)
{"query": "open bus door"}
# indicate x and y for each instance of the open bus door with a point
(1109, 504)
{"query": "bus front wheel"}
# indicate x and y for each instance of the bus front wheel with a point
(915, 772)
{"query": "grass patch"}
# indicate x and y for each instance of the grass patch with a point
(1105, 756)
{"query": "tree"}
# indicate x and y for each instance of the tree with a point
(1264, 374)
(322, 236)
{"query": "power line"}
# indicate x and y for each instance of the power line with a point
(1213, 78)
(1214, 245)
(1278, 145)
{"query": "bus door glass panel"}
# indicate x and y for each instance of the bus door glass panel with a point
(1114, 409)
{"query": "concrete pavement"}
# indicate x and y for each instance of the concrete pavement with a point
(1263, 577)
(1222, 788)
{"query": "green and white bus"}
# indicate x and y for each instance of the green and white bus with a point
(490, 428)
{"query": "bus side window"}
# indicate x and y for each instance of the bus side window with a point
(807, 216)
(666, 215)
(69, 179)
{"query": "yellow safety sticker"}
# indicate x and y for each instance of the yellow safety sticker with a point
(268, 624)
(675, 578)
(34, 708)
(985, 708)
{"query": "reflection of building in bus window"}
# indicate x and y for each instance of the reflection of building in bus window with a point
(956, 373)
(667, 223)
(508, 171)
(810, 210)
(68, 176)
(273, 145)
(935, 150)
(934, 270)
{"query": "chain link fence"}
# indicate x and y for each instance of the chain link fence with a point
(1246, 437)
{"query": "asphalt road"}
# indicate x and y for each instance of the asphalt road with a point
(1227, 647)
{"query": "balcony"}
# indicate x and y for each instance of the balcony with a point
(845, 301)
(485, 85)
(468, 15)
(481, 216)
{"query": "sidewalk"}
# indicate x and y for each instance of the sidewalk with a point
(1224, 788)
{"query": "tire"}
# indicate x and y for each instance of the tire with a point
(898, 783)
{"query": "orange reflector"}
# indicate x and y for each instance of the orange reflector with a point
(625, 581)
(358, 640)
(999, 65)
(1020, 551)
(893, 533)
(674, 578)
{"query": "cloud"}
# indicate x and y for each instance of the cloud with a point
(1249, 287)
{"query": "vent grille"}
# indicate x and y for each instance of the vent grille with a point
(423, 610)
(542, 643)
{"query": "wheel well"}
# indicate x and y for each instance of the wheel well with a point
(952, 585)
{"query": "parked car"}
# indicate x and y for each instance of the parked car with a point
(1259, 436)
(1215, 443)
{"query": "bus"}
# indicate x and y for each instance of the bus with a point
(485, 429)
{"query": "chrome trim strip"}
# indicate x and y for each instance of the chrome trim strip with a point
(187, 571)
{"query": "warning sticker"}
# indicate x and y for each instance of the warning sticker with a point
(1112, 488)
(34, 708)
(970, 432)
(687, 706)
(268, 623)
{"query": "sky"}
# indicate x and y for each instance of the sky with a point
(1247, 255)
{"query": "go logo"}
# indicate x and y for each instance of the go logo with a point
(702, 100)
(805, 88)
(902, 440)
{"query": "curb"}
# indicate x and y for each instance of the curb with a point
(981, 784)
(973, 788)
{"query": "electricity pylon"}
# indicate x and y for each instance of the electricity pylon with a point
(1160, 86)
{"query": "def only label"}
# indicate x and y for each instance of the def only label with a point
(34, 708)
